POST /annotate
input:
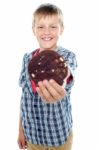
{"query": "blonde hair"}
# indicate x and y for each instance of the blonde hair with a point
(48, 10)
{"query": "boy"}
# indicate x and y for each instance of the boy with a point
(45, 118)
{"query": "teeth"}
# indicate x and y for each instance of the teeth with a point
(47, 39)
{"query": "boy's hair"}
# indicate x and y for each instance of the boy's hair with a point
(48, 10)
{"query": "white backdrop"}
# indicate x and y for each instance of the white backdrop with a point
(81, 35)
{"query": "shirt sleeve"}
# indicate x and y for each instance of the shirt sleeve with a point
(22, 76)
(72, 62)
(72, 65)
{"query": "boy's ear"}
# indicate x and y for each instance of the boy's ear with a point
(61, 30)
(33, 29)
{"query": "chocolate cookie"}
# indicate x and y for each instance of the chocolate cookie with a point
(47, 64)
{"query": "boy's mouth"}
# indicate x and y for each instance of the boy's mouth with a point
(47, 39)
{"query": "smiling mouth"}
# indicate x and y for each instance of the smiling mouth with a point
(47, 39)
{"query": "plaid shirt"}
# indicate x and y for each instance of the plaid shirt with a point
(44, 123)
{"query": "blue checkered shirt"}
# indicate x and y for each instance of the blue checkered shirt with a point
(44, 123)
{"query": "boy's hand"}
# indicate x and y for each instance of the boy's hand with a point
(50, 91)
(22, 140)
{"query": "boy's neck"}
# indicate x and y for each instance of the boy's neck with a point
(55, 49)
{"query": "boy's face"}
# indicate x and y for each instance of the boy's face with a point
(47, 31)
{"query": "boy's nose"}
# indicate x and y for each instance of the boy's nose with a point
(47, 30)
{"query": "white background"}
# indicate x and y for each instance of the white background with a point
(81, 35)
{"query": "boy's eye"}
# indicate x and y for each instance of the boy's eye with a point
(53, 27)
(40, 27)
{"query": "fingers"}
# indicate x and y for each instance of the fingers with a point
(50, 91)
(54, 89)
(58, 88)
(22, 143)
(44, 93)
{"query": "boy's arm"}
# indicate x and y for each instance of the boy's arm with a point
(50, 91)
(21, 137)
(20, 124)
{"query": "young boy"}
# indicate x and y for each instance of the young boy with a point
(46, 125)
